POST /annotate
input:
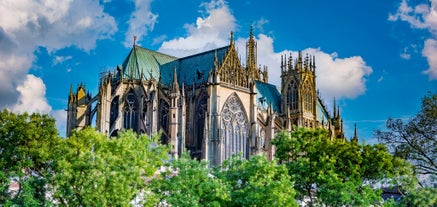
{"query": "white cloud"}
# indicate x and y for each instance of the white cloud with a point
(60, 59)
(422, 16)
(430, 52)
(141, 21)
(207, 33)
(26, 25)
(336, 77)
(159, 39)
(32, 96)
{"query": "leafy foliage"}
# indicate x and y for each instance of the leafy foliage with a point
(93, 170)
(188, 182)
(416, 140)
(257, 182)
(334, 172)
(26, 143)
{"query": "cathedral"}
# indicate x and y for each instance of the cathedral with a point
(209, 103)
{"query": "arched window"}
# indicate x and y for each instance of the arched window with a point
(164, 106)
(199, 126)
(233, 128)
(114, 111)
(130, 112)
(307, 98)
(292, 96)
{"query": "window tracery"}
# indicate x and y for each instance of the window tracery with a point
(233, 128)
(307, 98)
(130, 112)
(292, 96)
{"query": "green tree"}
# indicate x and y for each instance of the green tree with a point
(335, 172)
(257, 182)
(420, 197)
(26, 143)
(188, 182)
(415, 140)
(93, 170)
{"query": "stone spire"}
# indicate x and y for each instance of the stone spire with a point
(355, 138)
(175, 85)
(251, 56)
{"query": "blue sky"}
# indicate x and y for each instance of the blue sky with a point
(378, 58)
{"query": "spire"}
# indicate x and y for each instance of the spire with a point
(335, 109)
(314, 63)
(251, 56)
(232, 38)
(216, 59)
(355, 138)
(71, 96)
(175, 86)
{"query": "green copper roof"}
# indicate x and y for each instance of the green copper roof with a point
(144, 63)
(147, 64)
(268, 94)
(322, 114)
(194, 68)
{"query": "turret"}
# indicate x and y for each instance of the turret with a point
(79, 111)
(174, 116)
(355, 138)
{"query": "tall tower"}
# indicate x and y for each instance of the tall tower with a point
(174, 116)
(299, 91)
(79, 109)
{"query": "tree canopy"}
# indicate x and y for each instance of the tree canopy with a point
(94, 170)
(416, 139)
(26, 146)
(334, 172)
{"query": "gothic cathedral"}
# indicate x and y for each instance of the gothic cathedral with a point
(209, 104)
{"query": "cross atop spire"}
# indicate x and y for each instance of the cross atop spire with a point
(135, 40)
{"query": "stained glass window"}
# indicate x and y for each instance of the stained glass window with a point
(233, 128)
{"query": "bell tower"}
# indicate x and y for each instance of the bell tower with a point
(298, 89)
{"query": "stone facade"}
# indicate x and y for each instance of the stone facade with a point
(209, 104)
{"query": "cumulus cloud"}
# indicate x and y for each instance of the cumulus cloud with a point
(32, 96)
(141, 21)
(421, 16)
(207, 33)
(336, 77)
(26, 25)
(430, 52)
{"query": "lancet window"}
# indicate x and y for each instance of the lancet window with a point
(233, 129)
(307, 98)
(292, 96)
(199, 126)
(114, 111)
(130, 112)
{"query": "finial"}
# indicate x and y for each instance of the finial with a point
(232, 38)
(251, 31)
(135, 40)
